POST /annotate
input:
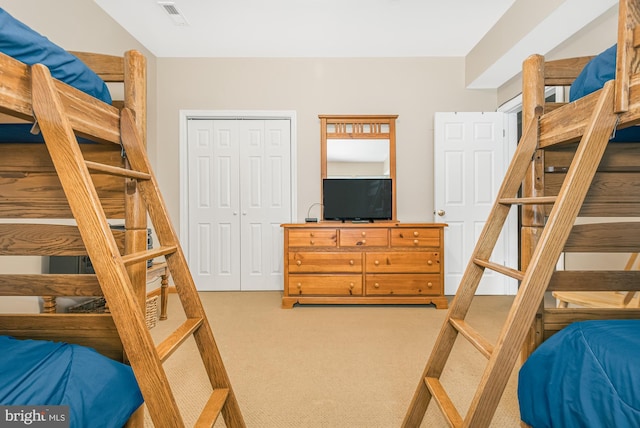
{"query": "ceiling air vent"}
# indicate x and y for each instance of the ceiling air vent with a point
(173, 12)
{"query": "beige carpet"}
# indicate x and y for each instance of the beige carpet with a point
(330, 366)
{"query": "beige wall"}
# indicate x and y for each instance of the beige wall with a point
(591, 40)
(413, 88)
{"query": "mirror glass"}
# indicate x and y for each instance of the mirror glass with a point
(358, 158)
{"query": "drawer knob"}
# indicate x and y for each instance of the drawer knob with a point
(430, 284)
(416, 242)
(364, 233)
(376, 262)
(311, 234)
(351, 285)
(416, 234)
(299, 285)
(364, 241)
(376, 285)
(298, 262)
(429, 262)
(312, 242)
(351, 262)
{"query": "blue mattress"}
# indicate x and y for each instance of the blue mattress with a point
(586, 375)
(595, 74)
(100, 392)
(19, 41)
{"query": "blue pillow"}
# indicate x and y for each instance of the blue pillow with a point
(26, 45)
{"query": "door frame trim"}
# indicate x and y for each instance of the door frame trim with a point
(186, 115)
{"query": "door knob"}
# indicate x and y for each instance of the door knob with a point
(441, 213)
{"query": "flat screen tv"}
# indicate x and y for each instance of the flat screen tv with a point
(357, 199)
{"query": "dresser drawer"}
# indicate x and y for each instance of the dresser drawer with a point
(364, 237)
(403, 262)
(335, 285)
(403, 284)
(325, 261)
(313, 238)
(415, 237)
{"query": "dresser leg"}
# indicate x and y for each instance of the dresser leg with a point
(288, 302)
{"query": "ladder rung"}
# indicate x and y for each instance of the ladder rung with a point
(540, 200)
(182, 333)
(212, 408)
(117, 171)
(443, 401)
(132, 258)
(513, 273)
(472, 335)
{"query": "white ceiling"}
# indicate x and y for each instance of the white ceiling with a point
(349, 28)
(309, 28)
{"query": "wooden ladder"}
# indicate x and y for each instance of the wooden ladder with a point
(111, 267)
(534, 280)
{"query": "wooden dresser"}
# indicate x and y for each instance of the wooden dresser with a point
(370, 263)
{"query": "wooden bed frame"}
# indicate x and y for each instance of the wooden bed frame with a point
(30, 189)
(568, 144)
(93, 184)
(614, 191)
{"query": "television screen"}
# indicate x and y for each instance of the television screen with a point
(357, 199)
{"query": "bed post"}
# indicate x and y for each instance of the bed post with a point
(532, 216)
(135, 95)
(627, 57)
(135, 98)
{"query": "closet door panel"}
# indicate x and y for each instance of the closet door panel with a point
(239, 195)
(264, 149)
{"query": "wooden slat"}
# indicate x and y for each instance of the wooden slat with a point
(94, 330)
(617, 158)
(444, 402)
(565, 125)
(119, 172)
(49, 285)
(212, 409)
(605, 238)
(30, 188)
(175, 339)
(473, 336)
(513, 273)
(535, 200)
(563, 72)
(556, 319)
(130, 259)
(610, 187)
(88, 116)
(45, 240)
(109, 68)
(595, 281)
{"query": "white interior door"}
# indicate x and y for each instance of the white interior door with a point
(472, 154)
(239, 194)
(264, 201)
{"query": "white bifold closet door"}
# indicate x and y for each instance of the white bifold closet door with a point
(239, 193)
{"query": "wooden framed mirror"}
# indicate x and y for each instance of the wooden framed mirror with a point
(359, 146)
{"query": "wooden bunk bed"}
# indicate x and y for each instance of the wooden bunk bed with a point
(569, 167)
(58, 198)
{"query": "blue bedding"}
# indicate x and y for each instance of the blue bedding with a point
(100, 392)
(595, 74)
(26, 45)
(586, 375)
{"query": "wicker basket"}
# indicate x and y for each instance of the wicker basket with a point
(98, 305)
(152, 311)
